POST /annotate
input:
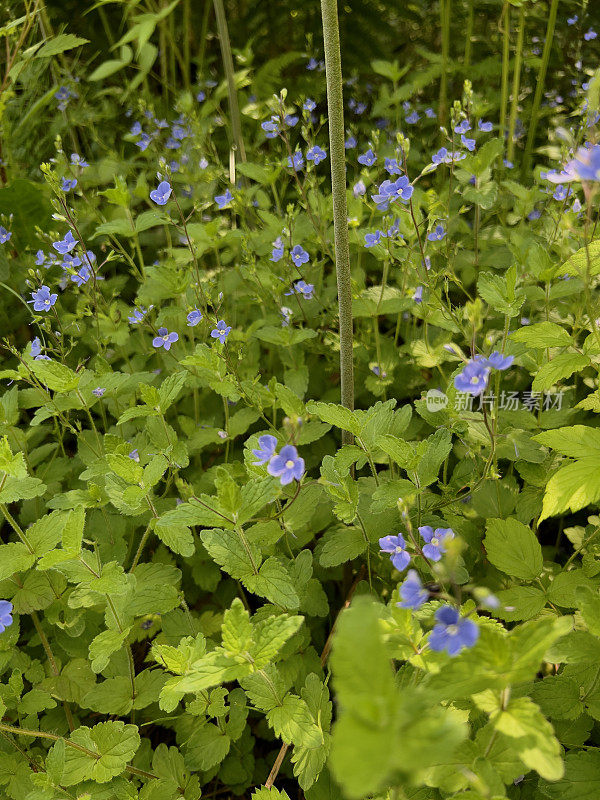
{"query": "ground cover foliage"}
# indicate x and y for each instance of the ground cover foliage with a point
(215, 579)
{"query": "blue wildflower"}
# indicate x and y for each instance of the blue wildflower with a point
(82, 276)
(299, 255)
(221, 332)
(4, 235)
(452, 632)
(368, 158)
(296, 162)
(312, 64)
(371, 239)
(98, 391)
(309, 105)
(429, 112)
(412, 592)
(437, 234)
(165, 339)
(350, 143)
(65, 245)
(278, 250)
(138, 315)
(201, 97)
(36, 350)
(42, 299)
(396, 547)
(193, 318)
(304, 288)
(68, 183)
(590, 34)
(497, 361)
(161, 194)
(316, 154)
(418, 295)
(572, 20)
(6, 620)
(392, 166)
(390, 191)
(223, 200)
(463, 126)
(359, 189)
(413, 118)
(203, 163)
(286, 315)
(484, 126)
(270, 128)
(468, 143)
(77, 161)
(134, 455)
(267, 445)
(287, 466)
(435, 541)
(474, 377)
(291, 120)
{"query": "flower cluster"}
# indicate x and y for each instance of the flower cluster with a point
(474, 377)
(286, 465)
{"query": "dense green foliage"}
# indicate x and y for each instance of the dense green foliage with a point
(177, 618)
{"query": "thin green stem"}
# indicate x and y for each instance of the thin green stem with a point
(516, 86)
(234, 109)
(539, 87)
(335, 107)
(445, 26)
(469, 34)
(505, 20)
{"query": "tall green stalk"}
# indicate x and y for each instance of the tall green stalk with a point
(516, 86)
(469, 34)
(234, 109)
(539, 87)
(445, 26)
(335, 107)
(505, 67)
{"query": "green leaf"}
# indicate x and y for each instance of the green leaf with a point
(270, 635)
(56, 377)
(103, 646)
(125, 468)
(581, 780)
(573, 487)
(236, 633)
(500, 292)
(513, 548)
(562, 366)
(541, 335)
(437, 449)
(341, 545)
(14, 557)
(177, 538)
(111, 747)
(275, 583)
(293, 723)
(239, 558)
(206, 747)
(60, 43)
(577, 264)
(334, 414)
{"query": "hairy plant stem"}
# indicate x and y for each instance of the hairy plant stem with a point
(335, 107)
(539, 88)
(505, 22)
(445, 26)
(234, 109)
(516, 86)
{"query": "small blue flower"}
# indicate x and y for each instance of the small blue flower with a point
(429, 112)
(396, 547)
(299, 255)
(4, 235)
(221, 332)
(144, 142)
(463, 126)
(134, 455)
(165, 339)
(392, 166)
(270, 128)
(36, 350)
(296, 162)
(452, 633)
(444, 156)
(590, 34)
(508, 164)
(468, 143)
(572, 20)
(82, 276)
(435, 541)
(412, 592)
(309, 105)
(193, 318)
(42, 299)
(437, 234)
(497, 361)
(138, 315)
(286, 315)
(223, 200)
(287, 466)
(201, 97)
(304, 288)
(6, 620)
(40, 258)
(371, 239)
(413, 118)
(65, 245)
(390, 191)
(68, 183)
(203, 163)
(267, 445)
(359, 189)
(484, 126)
(278, 250)
(418, 295)
(291, 120)
(161, 194)
(316, 154)
(474, 378)
(350, 143)
(98, 391)
(561, 192)
(368, 158)
(312, 64)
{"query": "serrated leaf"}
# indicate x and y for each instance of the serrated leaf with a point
(513, 548)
